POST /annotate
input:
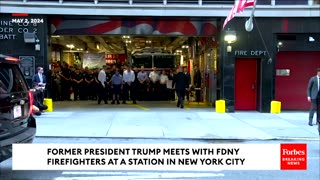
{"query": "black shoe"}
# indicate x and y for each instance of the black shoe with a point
(118, 102)
(124, 102)
(181, 107)
(112, 102)
(134, 102)
(106, 102)
(310, 124)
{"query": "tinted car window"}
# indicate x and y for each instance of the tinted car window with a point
(10, 79)
(139, 61)
(164, 61)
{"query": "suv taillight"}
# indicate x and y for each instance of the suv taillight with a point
(30, 94)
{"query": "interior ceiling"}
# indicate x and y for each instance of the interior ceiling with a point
(118, 44)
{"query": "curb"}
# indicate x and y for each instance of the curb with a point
(190, 139)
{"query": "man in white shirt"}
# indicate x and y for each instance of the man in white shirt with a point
(128, 80)
(154, 82)
(163, 85)
(102, 85)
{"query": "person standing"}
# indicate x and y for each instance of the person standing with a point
(188, 80)
(102, 85)
(163, 85)
(197, 82)
(128, 80)
(116, 86)
(180, 81)
(89, 84)
(108, 86)
(142, 87)
(77, 78)
(313, 94)
(154, 81)
(39, 79)
(65, 81)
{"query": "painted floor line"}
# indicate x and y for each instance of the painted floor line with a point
(141, 107)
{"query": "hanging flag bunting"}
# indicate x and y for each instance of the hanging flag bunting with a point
(238, 7)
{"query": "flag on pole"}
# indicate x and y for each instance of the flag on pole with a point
(238, 7)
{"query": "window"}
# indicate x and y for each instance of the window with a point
(11, 79)
(291, 2)
(264, 2)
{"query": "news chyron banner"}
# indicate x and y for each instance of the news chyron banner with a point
(168, 157)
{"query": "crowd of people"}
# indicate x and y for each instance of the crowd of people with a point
(116, 83)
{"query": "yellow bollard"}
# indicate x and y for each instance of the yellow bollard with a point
(275, 107)
(220, 106)
(49, 103)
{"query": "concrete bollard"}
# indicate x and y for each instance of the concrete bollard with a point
(220, 106)
(275, 107)
(49, 103)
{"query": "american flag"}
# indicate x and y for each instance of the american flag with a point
(238, 7)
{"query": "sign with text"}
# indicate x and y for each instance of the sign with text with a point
(173, 157)
(11, 27)
(257, 53)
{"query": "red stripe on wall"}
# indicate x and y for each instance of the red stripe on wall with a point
(19, 14)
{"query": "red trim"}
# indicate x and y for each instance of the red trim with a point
(20, 14)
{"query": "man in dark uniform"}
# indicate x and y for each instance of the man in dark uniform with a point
(77, 78)
(185, 69)
(90, 85)
(85, 92)
(180, 81)
(65, 81)
(96, 83)
(108, 85)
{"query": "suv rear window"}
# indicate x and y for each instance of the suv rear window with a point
(11, 79)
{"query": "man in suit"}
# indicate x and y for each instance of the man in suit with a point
(188, 80)
(40, 80)
(197, 82)
(180, 81)
(313, 93)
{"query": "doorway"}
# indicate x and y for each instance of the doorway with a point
(246, 71)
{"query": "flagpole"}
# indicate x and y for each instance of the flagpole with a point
(249, 22)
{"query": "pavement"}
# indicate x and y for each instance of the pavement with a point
(164, 120)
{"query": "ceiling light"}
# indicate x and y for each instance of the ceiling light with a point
(71, 46)
(230, 36)
(311, 39)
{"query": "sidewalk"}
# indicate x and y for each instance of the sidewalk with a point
(164, 120)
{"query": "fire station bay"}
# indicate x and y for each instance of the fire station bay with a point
(248, 68)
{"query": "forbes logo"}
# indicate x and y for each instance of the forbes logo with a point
(293, 152)
(293, 156)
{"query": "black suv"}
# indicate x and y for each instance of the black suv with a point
(17, 125)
